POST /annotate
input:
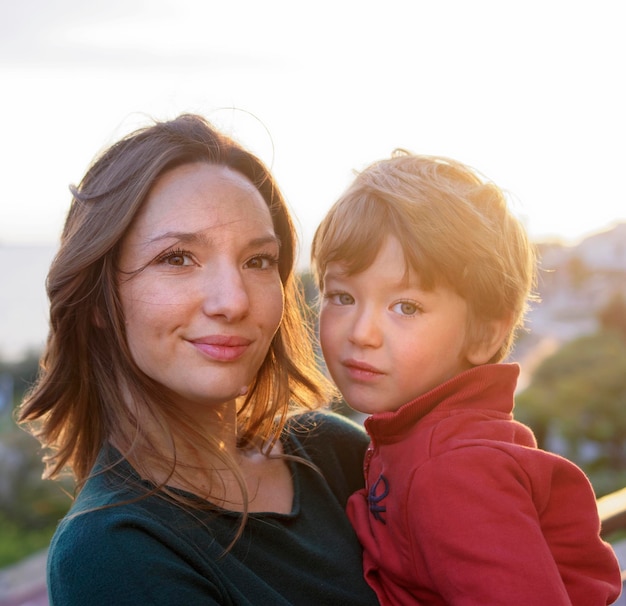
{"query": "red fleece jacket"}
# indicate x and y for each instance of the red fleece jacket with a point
(462, 508)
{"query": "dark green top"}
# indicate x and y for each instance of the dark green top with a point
(152, 551)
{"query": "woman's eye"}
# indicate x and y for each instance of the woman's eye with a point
(406, 308)
(262, 262)
(177, 258)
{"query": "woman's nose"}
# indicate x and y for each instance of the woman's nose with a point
(225, 294)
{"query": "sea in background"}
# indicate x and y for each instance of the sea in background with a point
(23, 300)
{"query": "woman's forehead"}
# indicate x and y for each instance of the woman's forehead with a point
(214, 194)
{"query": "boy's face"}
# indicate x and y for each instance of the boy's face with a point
(385, 340)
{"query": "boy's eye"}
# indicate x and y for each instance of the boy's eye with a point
(346, 299)
(406, 308)
(340, 298)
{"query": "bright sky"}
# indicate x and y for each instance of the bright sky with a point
(530, 93)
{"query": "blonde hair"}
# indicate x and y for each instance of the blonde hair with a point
(455, 229)
(87, 371)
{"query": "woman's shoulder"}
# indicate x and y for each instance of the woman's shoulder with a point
(92, 549)
(111, 481)
(87, 540)
(98, 511)
(113, 498)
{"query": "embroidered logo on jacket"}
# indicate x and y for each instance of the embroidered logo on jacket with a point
(377, 492)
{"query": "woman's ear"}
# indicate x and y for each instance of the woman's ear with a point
(493, 335)
(97, 318)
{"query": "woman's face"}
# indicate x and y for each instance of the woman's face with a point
(206, 298)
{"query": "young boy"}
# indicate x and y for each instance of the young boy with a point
(425, 277)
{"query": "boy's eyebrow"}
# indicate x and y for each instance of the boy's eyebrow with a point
(409, 280)
(332, 275)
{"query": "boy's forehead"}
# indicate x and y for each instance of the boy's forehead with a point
(400, 273)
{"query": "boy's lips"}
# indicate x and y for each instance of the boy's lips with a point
(361, 370)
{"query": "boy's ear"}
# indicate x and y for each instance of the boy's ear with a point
(493, 335)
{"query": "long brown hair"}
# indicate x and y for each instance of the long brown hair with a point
(87, 371)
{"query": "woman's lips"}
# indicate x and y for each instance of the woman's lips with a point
(222, 348)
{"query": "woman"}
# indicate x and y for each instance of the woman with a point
(175, 366)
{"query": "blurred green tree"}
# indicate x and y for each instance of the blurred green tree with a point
(578, 397)
(30, 507)
(612, 317)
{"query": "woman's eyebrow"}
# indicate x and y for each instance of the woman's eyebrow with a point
(179, 236)
(262, 241)
(201, 239)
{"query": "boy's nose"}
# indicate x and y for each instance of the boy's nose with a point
(366, 331)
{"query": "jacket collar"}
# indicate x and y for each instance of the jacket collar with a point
(490, 386)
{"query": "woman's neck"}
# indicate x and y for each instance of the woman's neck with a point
(199, 453)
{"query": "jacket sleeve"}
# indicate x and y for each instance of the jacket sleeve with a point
(491, 529)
